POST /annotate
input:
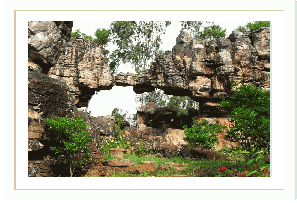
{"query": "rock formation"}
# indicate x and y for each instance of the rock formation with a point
(200, 69)
(64, 73)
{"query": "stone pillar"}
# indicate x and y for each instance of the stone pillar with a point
(141, 118)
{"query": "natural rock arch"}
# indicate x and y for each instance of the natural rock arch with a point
(64, 72)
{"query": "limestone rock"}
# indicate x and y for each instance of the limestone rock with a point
(34, 145)
(149, 108)
(99, 126)
(35, 126)
(64, 73)
(125, 124)
(48, 97)
(83, 69)
(46, 41)
(175, 137)
(196, 68)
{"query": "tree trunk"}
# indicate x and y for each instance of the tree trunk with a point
(71, 173)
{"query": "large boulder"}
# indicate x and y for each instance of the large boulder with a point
(175, 137)
(48, 97)
(47, 40)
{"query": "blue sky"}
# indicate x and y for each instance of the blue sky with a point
(124, 97)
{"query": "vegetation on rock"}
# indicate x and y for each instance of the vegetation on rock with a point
(73, 137)
(249, 108)
(212, 32)
(255, 25)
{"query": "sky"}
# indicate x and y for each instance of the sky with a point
(123, 98)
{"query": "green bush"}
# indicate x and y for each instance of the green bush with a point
(250, 111)
(212, 32)
(202, 135)
(102, 36)
(257, 24)
(76, 33)
(74, 138)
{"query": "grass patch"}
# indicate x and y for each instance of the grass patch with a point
(178, 165)
(193, 168)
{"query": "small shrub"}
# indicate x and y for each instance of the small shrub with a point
(257, 24)
(76, 33)
(202, 135)
(102, 36)
(74, 138)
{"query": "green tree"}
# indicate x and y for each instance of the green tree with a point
(157, 96)
(119, 115)
(250, 111)
(212, 32)
(72, 134)
(137, 42)
(90, 38)
(257, 24)
(252, 26)
(192, 27)
(102, 36)
(132, 119)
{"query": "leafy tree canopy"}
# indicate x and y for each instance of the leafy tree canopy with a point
(137, 42)
(102, 36)
(212, 32)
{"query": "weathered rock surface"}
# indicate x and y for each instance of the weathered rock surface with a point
(47, 40)
(196, 68)
(48, 97)
(175, 136)
(64, 73)
(83, 69)
(152, 115)
(205, 70)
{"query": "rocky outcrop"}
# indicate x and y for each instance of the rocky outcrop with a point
(47, 97)
(200, 69)
(170, 125)
(64, 73)
(152, 115)
(82, 68)
(205, 70)
(46, 42)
